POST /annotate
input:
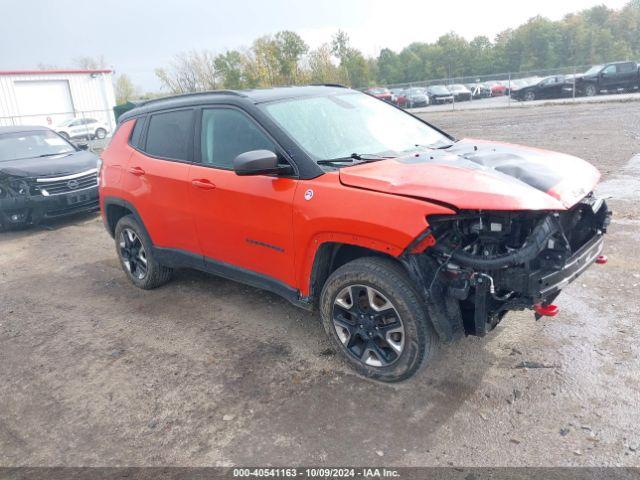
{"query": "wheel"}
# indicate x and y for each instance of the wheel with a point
(136, 258)
(590, 90)
(65, 135)
(376, 319)
(529, 96)
(101, 133)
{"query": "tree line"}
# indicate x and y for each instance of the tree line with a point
(591, 36)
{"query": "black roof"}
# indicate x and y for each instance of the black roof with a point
(255, 96)
(22, 128)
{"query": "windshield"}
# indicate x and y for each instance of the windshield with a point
(37, 143)
(439, 90)
(337, 126)
(593, 70)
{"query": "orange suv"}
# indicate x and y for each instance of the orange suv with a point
(400, 234)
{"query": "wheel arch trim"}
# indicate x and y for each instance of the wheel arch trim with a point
(121, 203)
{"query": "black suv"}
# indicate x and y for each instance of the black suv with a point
(609, 77)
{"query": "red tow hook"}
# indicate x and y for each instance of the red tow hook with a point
(546, 310)
(601, 259)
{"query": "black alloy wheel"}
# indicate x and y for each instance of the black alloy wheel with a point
(133, 254)
(368, 325)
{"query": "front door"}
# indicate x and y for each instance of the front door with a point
(609, 78)
(244, 222)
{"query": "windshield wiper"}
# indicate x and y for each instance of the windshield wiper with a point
(53, 154)
(439, 145)
(360, 157)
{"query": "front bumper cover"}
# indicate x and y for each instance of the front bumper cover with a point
(31, 209)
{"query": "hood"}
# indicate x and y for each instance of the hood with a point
(481, 175)
(64, 164)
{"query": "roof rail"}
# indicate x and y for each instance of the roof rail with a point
(337, 85)
(193, 94)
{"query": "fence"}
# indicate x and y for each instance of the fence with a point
(506, 78)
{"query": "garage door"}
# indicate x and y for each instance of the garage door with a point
(42, 102)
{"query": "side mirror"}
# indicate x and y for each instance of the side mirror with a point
(258, 162)
(82, 146)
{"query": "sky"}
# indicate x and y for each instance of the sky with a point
(136, 36)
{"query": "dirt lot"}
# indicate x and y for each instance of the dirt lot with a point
(208, 372)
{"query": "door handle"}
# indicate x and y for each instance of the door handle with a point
(203, 184)
(137, 171)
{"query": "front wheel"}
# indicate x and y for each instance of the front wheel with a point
(530, 96)
(590, 90)
(376, 319)
(101, 133)
(136, 258)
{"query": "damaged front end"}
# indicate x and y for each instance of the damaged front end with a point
(476, 266)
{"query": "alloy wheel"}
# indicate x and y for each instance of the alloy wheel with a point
(133, 253)
(368, 325)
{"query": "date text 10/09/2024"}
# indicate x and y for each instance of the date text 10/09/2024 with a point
(316, 472)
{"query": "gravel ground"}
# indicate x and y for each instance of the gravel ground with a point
(208, 372)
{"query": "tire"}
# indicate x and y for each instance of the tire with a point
(133, 247)
(529, 96)
(395, 337)
(590, 90)
(101, 133)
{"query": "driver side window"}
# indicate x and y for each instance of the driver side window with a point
(226, 133)
(609, 70)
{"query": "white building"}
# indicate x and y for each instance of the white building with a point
(49, 97)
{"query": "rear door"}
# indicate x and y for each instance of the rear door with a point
(627, 75)
(156, 177)
(242, 221)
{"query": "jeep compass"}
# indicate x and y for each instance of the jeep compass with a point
(398, 233)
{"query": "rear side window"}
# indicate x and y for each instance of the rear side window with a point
(169, 135)
(226, 133)
(136, 134)
(627, 68)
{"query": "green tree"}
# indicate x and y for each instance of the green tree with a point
(125, 90)
(229, 68)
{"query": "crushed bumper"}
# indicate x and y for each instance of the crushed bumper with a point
(544, 285)
(32, 209)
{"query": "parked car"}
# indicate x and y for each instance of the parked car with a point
(479, 90)
(399, 97)
(42, 176)
(417, 97)
(609, 77)
(88, 128)
(497, 88)
(398, 233)
(460, 92)
(549, 87)
(439, 94)
(381, 93)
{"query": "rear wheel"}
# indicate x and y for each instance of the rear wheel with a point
(376, 319)
(136, 257)
(101, 133)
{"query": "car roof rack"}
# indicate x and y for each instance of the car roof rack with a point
(336, 85)
(193, 94)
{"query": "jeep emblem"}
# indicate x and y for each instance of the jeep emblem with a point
(73, 184)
